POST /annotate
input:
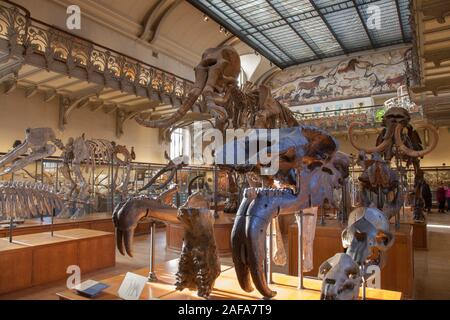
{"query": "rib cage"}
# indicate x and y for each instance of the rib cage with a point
(24, 200)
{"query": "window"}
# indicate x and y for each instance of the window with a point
(176, 144)
(242, 78)
(179, 145)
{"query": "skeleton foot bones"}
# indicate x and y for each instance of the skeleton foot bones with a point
(199, 264)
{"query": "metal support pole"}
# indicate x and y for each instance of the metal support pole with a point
(364, 281)
(299, 218)
(152, 275)
(177, 194)
(113, 187)
(322, 215)
(11, 221)
(53, 216)
(379, 199)
(57, 177)
(42, 171)
(344, 202)
(35, 171)
(216, 178)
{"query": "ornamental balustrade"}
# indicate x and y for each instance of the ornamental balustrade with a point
(37, 43)
(339, 120)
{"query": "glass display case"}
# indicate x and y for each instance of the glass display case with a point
(106, 192)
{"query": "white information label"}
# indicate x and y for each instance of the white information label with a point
(132, 286)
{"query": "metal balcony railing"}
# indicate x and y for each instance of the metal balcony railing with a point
(27, 36)
(338, 120)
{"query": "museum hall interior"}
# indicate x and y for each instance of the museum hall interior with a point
(224, 150)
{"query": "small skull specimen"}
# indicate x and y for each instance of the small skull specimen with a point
(341, 278)
(367, 234)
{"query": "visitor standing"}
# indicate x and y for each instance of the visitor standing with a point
(440, 197)
(427, 196)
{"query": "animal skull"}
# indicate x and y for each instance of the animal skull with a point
(218, 69)
(367, 230)
(39, 142)
(341, 278)
(394, 116)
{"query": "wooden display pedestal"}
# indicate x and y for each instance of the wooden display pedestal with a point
(397, 275)
(226, 287)
(35, 259)
(222, 232)
(101, 221)
(420, 235)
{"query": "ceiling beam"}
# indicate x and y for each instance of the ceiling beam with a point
(316, 53)
(30, 73)
(306, 15)
(316, 8)
(263, 50)
(267, 38)
(372, 44)
(154, 18)
(31, 91)
(399, 15)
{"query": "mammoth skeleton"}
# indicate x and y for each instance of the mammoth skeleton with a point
(406, 147)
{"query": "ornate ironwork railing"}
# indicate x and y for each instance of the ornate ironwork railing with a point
(337, 120)
(27, 36)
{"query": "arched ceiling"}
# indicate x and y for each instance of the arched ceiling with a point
(185, 25)
(135, 10)
(173, 27)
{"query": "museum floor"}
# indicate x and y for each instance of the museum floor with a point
(431, 266)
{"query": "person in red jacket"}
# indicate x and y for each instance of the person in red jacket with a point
(440, 197)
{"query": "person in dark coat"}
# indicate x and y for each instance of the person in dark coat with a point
(427, 196)
(440, 197)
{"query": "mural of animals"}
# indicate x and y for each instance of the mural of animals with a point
(360, 76)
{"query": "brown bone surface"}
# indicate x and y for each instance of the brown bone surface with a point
(199, 264)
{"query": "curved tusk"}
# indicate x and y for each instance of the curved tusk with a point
(201, 76)
(378, 148)
(178, 115)
(416, 153)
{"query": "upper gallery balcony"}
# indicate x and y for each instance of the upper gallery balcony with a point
(40, 57)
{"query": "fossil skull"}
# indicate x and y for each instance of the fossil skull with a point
(341, 278)
(218, 69)
(367, 233)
